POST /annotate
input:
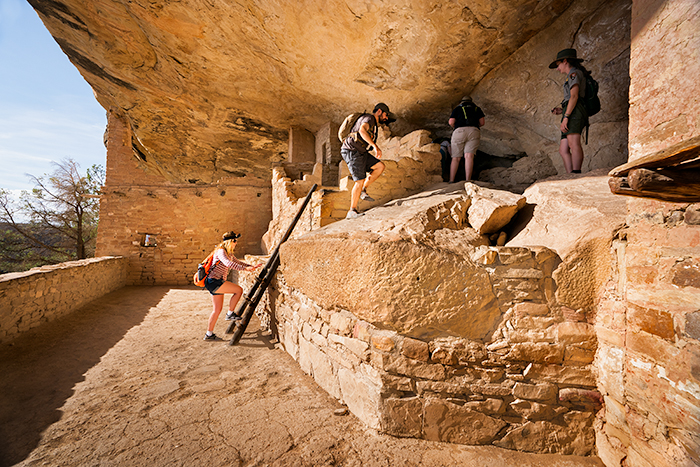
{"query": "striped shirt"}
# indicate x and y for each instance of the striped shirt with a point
(222, 263)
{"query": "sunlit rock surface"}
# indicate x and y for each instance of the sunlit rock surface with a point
(404, 266)
(577, 217)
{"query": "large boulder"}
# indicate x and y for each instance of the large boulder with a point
(521, 175)
(404, 266)
(491, 210)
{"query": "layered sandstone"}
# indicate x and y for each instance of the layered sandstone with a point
(209, 90)
(647, 318)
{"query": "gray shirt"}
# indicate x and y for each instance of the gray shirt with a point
(354, 141)
(575, 76)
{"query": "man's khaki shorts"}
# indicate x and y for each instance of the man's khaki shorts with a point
(465, 140)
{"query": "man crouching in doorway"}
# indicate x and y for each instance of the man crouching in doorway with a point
(355, 153)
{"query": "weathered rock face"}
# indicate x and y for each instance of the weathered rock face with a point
(409, 317)
(210, 89)
(404, 267)
(521, 91)
(577, 217)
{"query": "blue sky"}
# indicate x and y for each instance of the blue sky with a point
(47, 110)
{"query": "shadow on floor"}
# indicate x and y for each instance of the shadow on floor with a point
(41, 367)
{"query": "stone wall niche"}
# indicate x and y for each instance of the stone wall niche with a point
(328, 153)
(302, 153)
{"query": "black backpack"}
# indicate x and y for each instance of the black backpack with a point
(591, 101)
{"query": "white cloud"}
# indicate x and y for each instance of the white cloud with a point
(31, 139)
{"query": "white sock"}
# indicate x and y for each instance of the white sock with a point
(209, 333)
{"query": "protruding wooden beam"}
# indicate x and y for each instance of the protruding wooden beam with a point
(671, 156)
(678, 186)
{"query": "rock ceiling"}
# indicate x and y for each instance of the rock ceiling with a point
(211, 87)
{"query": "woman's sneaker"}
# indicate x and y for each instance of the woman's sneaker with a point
(213, 337)
(232, 316)
(364, 196)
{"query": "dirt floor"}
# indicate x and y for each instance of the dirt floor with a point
(128, 381)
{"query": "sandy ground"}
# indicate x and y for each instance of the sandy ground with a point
(128, 381)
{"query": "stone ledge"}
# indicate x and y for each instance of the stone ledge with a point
(435, 389)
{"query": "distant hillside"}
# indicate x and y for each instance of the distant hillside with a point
(17, 253)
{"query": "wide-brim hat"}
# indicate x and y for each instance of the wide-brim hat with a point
(231, 236)
(466, 99)
(566, 53)
(385, 108)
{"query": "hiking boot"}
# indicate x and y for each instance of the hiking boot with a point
(213, 337)
(232, 316)
(352, 214)
(364, 196)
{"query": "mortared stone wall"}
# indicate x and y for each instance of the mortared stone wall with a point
(43, 294)
(184, 222)
(648, 320)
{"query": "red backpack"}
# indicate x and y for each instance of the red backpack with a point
(203, 270)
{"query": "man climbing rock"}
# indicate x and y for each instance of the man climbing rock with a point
(355, 153)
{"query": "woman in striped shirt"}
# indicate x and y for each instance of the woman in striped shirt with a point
(217, 285)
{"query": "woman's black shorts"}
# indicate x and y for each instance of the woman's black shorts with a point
(212, 285)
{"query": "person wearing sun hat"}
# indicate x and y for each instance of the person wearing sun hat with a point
(216, 282)
(575, 117)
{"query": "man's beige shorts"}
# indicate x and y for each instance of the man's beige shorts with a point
(465, 140)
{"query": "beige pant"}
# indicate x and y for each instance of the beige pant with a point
(465, 140)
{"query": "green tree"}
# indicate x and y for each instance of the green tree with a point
(57, 220)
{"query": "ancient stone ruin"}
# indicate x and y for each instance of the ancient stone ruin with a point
(530, 309)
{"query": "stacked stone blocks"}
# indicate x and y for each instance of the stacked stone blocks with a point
(41, 295)
(648, 326)
(412, 163)
(528, 387)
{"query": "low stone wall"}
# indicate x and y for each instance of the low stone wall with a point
(40, 295)
(527, 387)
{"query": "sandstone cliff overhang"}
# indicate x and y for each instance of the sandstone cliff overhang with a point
(210, 89)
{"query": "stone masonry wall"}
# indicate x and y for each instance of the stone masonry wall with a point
(648, 321)
(40, 295)
(412, 163)
(648, 327)
(529, 387)
(184, 222)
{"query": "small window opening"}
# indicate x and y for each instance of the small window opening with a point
(148, 240)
